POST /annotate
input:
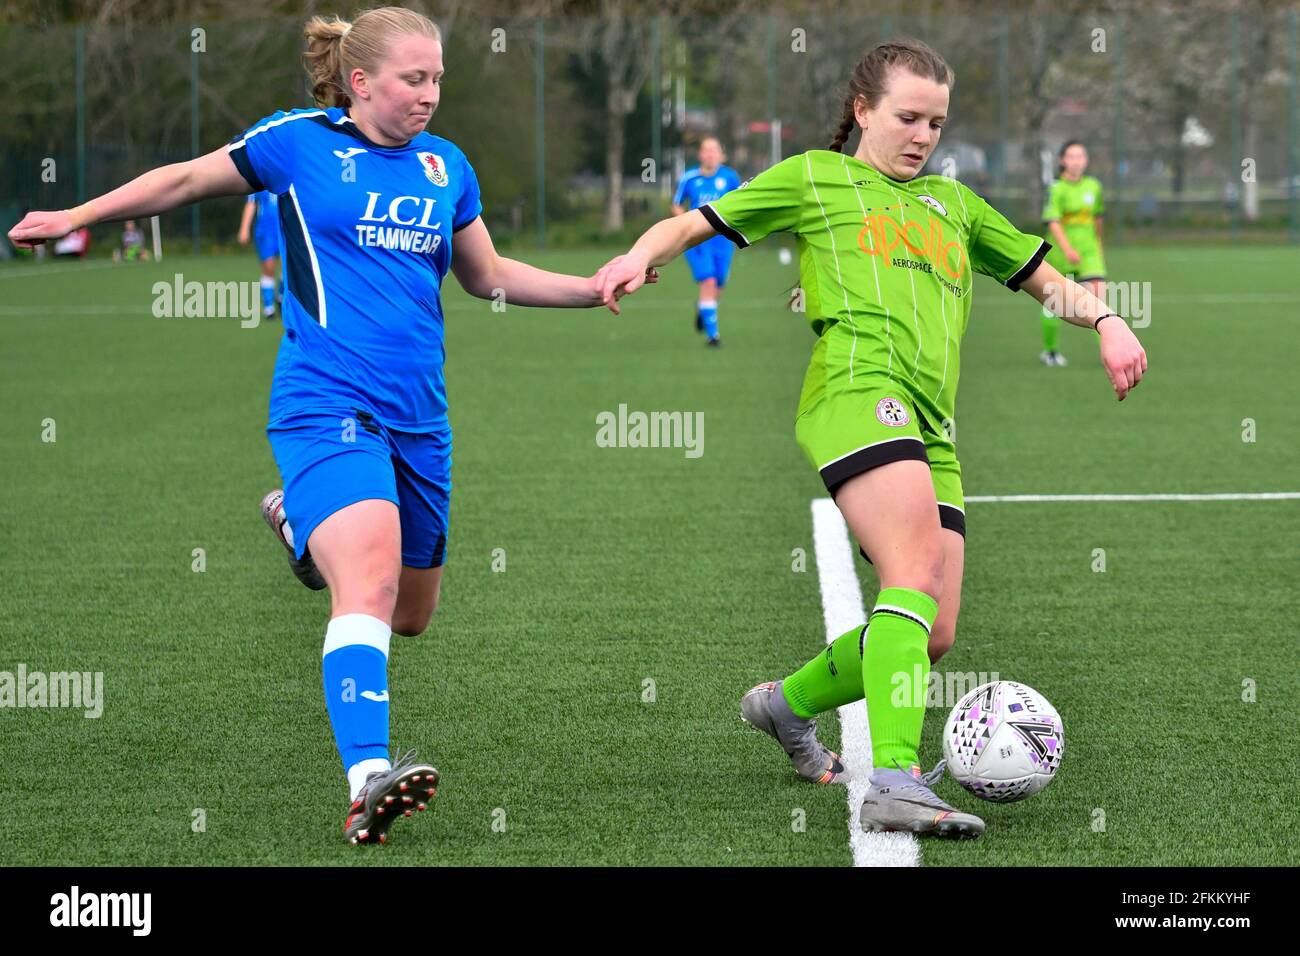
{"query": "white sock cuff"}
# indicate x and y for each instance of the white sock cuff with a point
(903, 612)
(358, 772)
(268, 282)
(708, 303)
(347, 630)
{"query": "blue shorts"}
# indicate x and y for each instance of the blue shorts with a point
(711, 259)
(330, 460)
(268, 243)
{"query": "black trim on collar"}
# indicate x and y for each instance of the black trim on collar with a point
(346, 124)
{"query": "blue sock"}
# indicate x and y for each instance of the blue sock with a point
(709, 313)
(354, 667)
(268, 293)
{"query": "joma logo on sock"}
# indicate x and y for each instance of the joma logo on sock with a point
(56, 689)
(651, 430)
(103, 909)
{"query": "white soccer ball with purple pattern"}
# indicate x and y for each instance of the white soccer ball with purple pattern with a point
(1003, 741)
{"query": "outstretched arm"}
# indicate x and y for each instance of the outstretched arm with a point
(1122, 355)
(660, 244)
(158, 190)
(482, 272)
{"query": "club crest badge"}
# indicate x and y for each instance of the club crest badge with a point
(892, 412)
(933, 204)
(434, 168)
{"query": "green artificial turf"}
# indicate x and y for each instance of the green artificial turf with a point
(625, 566)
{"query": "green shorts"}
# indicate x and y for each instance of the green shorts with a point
(848, 431)
(1091, 264)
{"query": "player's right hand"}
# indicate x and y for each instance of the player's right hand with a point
(621, 276)
(243, 237)
(1072, 254)
(37, 227)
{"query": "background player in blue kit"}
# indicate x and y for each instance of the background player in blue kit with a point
(266, 233)
(710, 261)
(375, 211)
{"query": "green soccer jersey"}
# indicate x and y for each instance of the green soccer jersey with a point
(1076, 206)
(885, 267)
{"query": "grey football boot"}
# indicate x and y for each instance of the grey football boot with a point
(304, 569)
(764, 707)
(406, 788)
(903, 800)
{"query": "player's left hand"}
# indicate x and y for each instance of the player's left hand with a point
(1122, 356)
(622, 276)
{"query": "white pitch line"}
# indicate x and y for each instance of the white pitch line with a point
(843, 609)
(1229, 496)
(58, 311)
(1235, 297)
(36, 271)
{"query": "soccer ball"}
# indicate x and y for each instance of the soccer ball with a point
(1003, 741)
(783, 256)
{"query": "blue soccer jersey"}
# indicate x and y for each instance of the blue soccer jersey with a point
(367, 233)
(696, 189)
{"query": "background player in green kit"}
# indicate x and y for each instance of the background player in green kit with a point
(886, 263)
(1073, 213)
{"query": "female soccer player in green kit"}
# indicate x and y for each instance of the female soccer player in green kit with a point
(1073, 213)
(886, 263)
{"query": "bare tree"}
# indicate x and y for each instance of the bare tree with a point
(624, 49)
(1044, 31)
(1258, 49)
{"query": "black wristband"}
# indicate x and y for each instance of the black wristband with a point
(1108, 315)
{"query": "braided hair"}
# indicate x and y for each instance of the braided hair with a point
(870, 79)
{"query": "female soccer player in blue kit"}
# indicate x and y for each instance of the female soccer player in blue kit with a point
(266, 235)
(375, 211)
(710, 261)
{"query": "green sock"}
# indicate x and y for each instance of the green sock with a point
(831, 679)
(894, 660)
(1051, 325)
